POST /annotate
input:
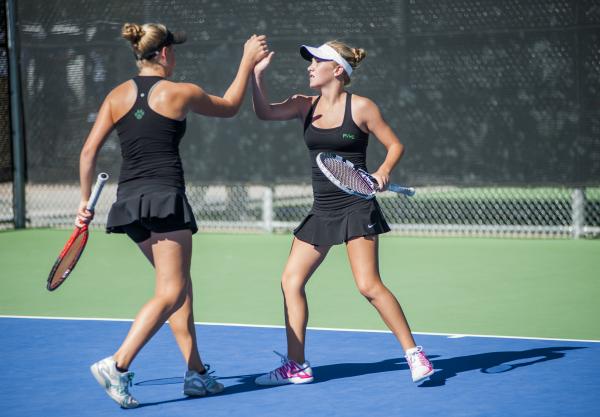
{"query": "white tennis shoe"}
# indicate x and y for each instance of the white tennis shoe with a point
(420, 367)
(115, 383)
(290, 372)
(196, 384)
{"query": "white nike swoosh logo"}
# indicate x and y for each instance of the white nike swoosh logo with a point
(106, 375)
(370, 226)
(196, 384)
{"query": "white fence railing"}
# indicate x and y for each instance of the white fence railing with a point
(442, 211)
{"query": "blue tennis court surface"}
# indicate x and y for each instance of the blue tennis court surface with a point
(45, 372)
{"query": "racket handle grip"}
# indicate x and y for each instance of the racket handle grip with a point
(408, 191)
(102, 178)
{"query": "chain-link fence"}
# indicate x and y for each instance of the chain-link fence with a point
(495, 100)
(436, 211)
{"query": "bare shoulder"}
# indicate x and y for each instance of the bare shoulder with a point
(364, 111)
(173, 99)
(183, 88)
(363, 104)
(120, 99)
(121, 91)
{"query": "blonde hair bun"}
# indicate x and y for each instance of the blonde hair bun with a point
(352, 55)
(359, 54)
(132, 32)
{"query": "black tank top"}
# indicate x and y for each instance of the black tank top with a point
(149, 142)
(348, 141)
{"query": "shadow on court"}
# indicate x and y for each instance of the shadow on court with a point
(487, 363)
(492, 363)
(246, 384)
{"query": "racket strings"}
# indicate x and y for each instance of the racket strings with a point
(63, 267)
(348, 176)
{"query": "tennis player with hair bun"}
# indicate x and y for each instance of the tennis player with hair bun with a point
(340, 122)
(149, 113)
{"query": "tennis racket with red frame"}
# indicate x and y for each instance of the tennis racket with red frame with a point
(68, 257)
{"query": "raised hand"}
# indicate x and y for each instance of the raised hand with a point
(262, 65)
(256, 49)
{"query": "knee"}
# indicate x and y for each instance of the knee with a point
(291, 285)
(370, 288)
(172, 298)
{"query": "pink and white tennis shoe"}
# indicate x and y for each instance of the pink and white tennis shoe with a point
(290, 372)
(420, 367)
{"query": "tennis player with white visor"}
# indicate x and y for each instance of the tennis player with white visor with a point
(335, 121)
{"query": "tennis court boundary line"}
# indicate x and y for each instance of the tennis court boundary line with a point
(331, 329)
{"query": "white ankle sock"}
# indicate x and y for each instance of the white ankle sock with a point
(412, 350)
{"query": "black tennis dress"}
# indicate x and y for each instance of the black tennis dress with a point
(336, 216)
(151, 191)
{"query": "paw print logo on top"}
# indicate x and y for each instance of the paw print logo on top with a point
(139, 113)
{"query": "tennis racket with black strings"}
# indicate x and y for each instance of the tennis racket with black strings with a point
(353, 180)
(68, 257)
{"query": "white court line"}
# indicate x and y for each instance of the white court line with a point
(332, 329)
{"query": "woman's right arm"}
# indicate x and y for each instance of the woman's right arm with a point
(201, 102)
(294, 107)
(87, 159)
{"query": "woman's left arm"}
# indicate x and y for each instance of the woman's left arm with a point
(370, 117)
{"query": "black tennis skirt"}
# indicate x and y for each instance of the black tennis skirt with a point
(149, 204)
(332, 227)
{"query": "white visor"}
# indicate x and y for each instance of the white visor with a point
(327, 53)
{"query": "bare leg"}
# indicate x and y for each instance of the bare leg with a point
(363, 253)
(303, 260)
(182, 326)
(170, 254)
(182, 320)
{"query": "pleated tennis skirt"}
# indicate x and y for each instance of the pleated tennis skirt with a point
(151, 204)
(332, 227)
